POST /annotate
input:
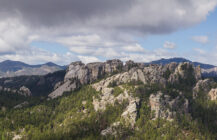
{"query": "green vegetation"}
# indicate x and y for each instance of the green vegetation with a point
(112, 84)
(117, 91)
(72, 116)
(167, 73)
(38, 85)
(200, 126)
(62, 118)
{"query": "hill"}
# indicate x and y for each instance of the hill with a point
(180, 60)
(10, 68)
(111, 100)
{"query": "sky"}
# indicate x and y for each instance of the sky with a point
(64, 31)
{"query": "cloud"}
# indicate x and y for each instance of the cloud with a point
(93, 30)
(88, 59)
(200, 51)
(13, 36)
(137, 48)
(140, 16)
(201, 39)
(169, 45)
(208, 57)
(38, 56)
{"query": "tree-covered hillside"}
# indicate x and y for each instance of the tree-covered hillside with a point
(153, 102)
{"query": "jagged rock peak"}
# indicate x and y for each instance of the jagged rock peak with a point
(213, 94)
(202, 86)
(167, 108)
(25, 91)
(77, 63)
(79, 74)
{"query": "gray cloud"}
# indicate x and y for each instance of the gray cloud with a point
(135, 16)
(54, 12)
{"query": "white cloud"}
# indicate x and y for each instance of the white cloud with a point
(200, 51)
(38, 56)
(203, 56)
(201, 39)
(13, 36)
(169, 45)
(134, 48)
(88, 59)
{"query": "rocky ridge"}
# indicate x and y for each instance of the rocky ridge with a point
(21, 91)
(162, 104)
(166, 108)
(79, 74)
(137, 94)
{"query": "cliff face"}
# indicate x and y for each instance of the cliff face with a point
(80, 74)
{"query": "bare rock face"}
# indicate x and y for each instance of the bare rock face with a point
(113, 65)
(171, 67)
(79, 74)
(21, 105)
(24, 91)
(107, 98)
(131, 112)
(96, 70)
(202, 86)
(213, 94)
(129, 64)
(110, 130)
(78, 71)
(197, 73)
(65, 87)
(57, 85)
(154, 74)
(167, 108)
(184, 71)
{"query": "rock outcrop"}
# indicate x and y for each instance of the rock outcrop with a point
(110, 130)
(79, 74)
(24, 91)
(131, 112)
(21, 105)
(107, 98)
(162, 104)
(165, 107)
(213, 94)
(184, 71)
(202, 86)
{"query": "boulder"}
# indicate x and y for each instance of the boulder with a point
(110, 130)
(131, 112)
(213, 94)
(183, 71)
(165, 107)
(24, 91)
(202, 86)
(21, 105)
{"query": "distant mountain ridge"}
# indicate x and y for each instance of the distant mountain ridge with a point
(179, 60)
(10, 68)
